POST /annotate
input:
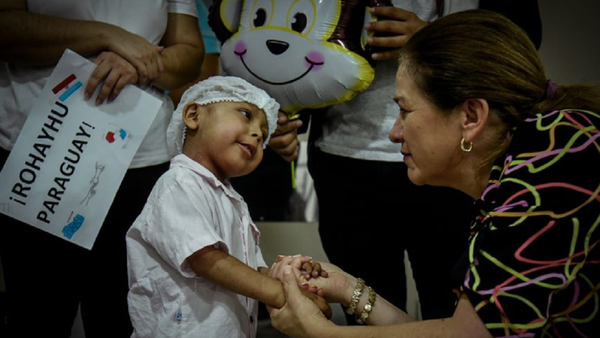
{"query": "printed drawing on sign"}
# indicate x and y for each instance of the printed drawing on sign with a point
(117, 135)
(74, 224)
(94, 183)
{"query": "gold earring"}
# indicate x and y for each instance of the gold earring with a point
(463, 148)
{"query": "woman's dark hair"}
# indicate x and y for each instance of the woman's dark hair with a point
(482, 54)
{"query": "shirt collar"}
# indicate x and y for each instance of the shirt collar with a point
(185, 161)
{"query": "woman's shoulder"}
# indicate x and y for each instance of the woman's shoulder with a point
(552, 163)
(551, 138)
(544, 206)
(577, 119)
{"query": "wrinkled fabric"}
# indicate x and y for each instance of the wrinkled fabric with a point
(189, 209)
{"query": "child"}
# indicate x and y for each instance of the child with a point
(195, 267)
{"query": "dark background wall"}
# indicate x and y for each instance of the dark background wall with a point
(570, 46)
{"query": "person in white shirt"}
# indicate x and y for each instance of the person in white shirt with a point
(195, 265)
(154, 44)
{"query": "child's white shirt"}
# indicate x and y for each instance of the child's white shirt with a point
(189, 209)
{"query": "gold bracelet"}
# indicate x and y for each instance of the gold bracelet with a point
(362, 319)
(360, 284)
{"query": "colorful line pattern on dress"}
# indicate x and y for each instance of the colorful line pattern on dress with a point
(534, 252)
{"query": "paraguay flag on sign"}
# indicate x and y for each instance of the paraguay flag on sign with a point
(67, 87)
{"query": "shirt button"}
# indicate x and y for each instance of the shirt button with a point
(251, 320)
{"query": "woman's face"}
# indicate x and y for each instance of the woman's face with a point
(430, 139)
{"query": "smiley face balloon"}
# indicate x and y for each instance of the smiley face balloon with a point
(305, 53)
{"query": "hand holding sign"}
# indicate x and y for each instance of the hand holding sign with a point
(66, 148)
(112, 75)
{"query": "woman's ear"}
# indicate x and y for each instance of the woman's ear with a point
(476, 113)
(191, 113)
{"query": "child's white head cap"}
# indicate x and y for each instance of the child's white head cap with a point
(220, 89)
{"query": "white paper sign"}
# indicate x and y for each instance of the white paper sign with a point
(71, 155)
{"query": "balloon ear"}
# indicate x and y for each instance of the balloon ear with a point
(224, 18)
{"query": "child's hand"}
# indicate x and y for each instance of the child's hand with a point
(295, 261)
(308, 268)
(313, 270)
(305, 264)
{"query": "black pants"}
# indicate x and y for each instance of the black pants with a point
(47, 278)
(370, 213)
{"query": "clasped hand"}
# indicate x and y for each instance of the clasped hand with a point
(301, 315)
(129, 60)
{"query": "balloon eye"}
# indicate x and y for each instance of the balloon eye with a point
(300, 22)
(260, 18)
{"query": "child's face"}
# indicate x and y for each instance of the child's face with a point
(226, 137)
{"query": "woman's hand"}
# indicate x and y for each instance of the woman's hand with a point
(296, 261)
(305, 264)
(311, 292)
(112, 74)
(337, 287)
(299, 317)
(320, 302)
(324, 279)
(143, 55)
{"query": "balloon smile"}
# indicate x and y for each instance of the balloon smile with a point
(312, 65)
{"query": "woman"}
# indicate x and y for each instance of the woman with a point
(478, 114)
